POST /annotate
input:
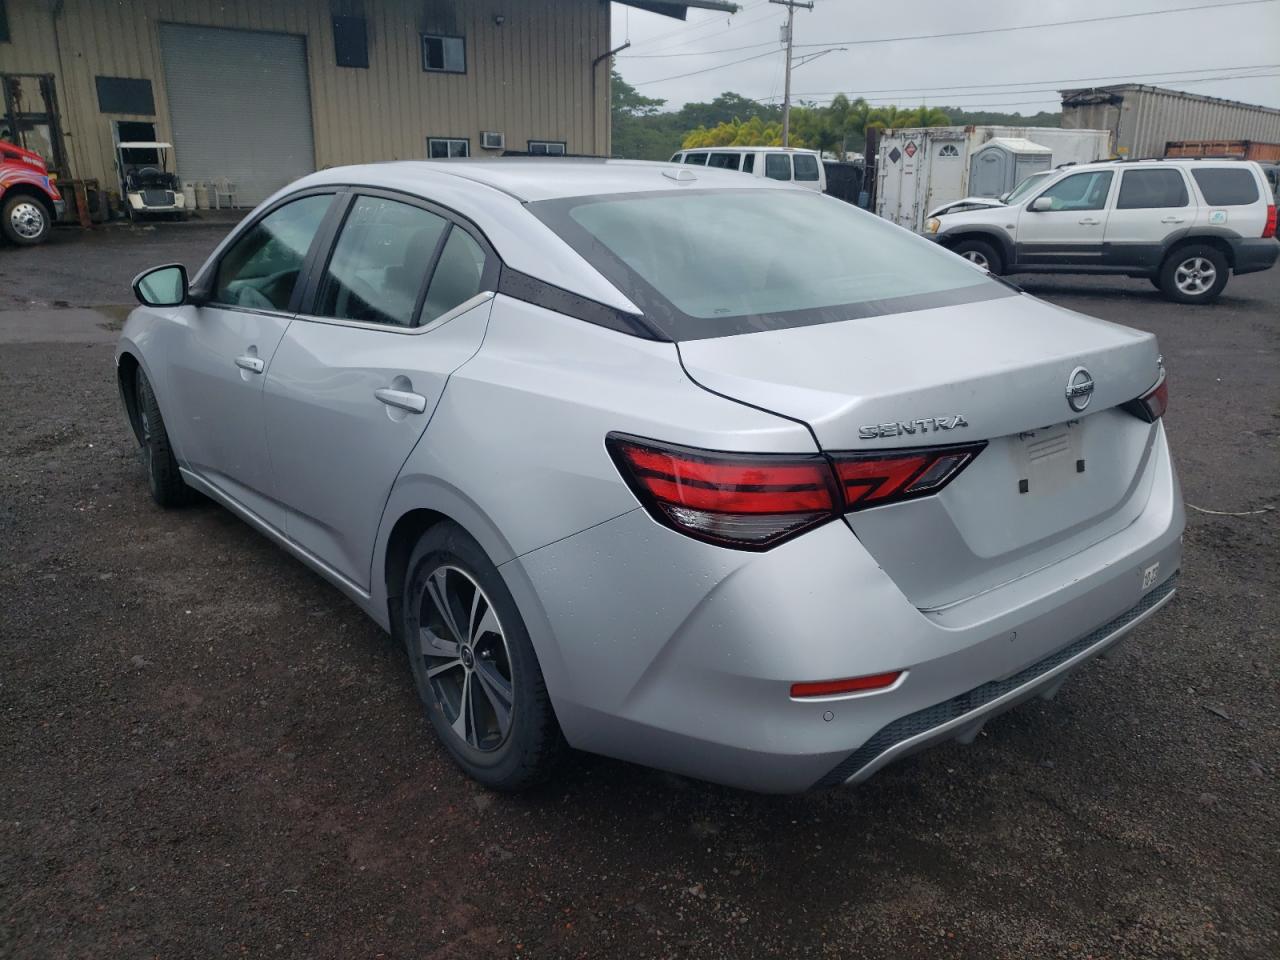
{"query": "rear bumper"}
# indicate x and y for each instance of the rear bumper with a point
(1253, 255)
(679, 655)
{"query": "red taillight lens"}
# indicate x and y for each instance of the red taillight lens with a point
(1152, 404)
(742, 500)
(834, 688)
(755, 501)
(877, 479)
(1269, 230)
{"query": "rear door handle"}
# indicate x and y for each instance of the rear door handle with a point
(413, 402)
(1090, 222)
(1172, 219)
(252, 364)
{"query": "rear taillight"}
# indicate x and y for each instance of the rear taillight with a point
(1152, 404)
(1269, 230)
(755, 501)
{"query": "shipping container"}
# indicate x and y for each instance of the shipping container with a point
(1240, 149)
(921, 168)
(1143, 119)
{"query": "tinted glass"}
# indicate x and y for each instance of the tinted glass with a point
(777, 166)
(261, 268)
(696, 264)
(806, 166)
(458, 275)
(1080, 191)
(725, 161)
(1227, 188)
(748, 163)
(699, 159)
(379, 263)
(1144, 189)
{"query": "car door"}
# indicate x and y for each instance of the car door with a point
(1070, 233)
(1152, 206)
(219, 361)
(402, 302)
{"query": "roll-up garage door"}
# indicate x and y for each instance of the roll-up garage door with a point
(240, 107)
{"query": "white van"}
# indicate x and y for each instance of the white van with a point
(802, 167)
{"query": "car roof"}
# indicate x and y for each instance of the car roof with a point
(746, 150)
(1193, 163)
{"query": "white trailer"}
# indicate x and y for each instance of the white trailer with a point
(921, 168)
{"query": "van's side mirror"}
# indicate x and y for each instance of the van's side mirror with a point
(162, 286)
(1041, 204)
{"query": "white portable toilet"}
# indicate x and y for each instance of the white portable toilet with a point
(1003, 162)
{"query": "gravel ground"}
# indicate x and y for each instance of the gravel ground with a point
(208, 752)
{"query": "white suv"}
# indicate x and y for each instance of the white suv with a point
(1185, 224)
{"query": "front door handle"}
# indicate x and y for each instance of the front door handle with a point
(1090, 222)
(1172, 219)
(413, 402)
(250, 363)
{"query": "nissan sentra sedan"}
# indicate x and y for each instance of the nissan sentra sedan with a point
(700, 471)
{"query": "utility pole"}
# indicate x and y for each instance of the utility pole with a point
(786, 94)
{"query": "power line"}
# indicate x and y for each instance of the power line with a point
(694, 73)
(709, 22)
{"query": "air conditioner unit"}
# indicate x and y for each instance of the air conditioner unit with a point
(492, 140)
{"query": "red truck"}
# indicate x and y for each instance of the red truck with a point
(29, 200)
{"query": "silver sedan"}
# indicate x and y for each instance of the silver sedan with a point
(683, 467)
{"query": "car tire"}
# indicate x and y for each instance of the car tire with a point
(1196, 273)
(168, 489)
(24, 220)
(470, 675)
(981, 253)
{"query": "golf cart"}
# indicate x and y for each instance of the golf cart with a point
(147, 186)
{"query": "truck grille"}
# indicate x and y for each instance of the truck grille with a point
(157, 198)
(913, 724)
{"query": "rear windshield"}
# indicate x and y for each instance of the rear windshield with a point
(1227, 188)
(718, 262)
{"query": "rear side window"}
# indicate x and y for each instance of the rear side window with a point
(458, 276)
(725, 161)
(777, 166)
(806, 166)
(1143, 189)
(260, 269)
(697, 159)
(748, 163)
(380, 262)
(1227, 188)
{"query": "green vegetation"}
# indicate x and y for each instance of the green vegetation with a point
(642, 130)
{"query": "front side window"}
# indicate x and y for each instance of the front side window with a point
(806, 166)
(1146, 189)
(697, 159)
(1226, 188)
(723, 161)
(1080, 191)
(458, 276)
(777, 166)
(546, 148)
(380, 262)
(260, 269)
(442, 54)
(695, 263)
(441, 148)
(675, 158)
(1018, 193)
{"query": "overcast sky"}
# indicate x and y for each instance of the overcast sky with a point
(1170, 49)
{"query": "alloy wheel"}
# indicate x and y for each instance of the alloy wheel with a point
(465, 655)
(27, 220)
(975, 256)
(144, 420)
(1195, 276)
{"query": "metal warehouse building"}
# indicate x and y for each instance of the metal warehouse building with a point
(260, 92)
(1142, 118)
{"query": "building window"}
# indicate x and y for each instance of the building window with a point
(438, 148)
(949, 150)
(123, 95)
(351, 41)
(444, 54)
(4, 24)
(546, 148)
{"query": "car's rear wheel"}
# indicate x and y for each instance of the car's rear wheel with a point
(981, 253)
(474, 664)
(25, 220)
(165, 479)
(1194, 274)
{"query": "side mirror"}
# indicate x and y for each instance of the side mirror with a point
(162, 286)
(1041, 204)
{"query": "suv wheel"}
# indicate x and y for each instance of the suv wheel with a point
(1194, 274)
(474, 664)
(981, 253)
(25, 220)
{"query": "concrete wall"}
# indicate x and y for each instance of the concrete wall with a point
(530, 78)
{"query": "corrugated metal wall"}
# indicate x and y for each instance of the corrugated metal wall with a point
(530, 77)
(1147, 117)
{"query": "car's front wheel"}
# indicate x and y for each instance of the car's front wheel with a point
(24, 220)
(981, 253)
(165, 479)
(1194, 274)
(474, 664)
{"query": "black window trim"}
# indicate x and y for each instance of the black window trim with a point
(340, 23)
(466, 140)
(422, 42)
